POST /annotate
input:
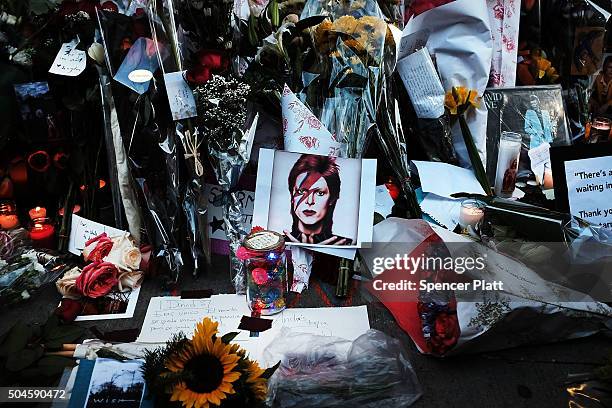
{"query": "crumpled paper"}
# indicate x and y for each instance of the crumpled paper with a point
(458, 34)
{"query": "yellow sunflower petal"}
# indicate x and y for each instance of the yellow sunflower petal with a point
(231, 377)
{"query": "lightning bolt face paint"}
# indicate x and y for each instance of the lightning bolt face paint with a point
(310, 198)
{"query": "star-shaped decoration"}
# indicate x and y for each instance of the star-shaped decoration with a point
(217, 224)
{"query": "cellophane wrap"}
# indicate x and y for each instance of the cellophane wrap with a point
(23, 269)
(348, 75)
(166, 24)
(148, 139)
(321, 371)
(229, 125)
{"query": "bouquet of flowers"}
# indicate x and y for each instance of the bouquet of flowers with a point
(114, 269)
(24, 270)
(205, 371)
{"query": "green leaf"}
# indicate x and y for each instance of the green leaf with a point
(54, 365)
(479, 170)
(16, 340)
(229, 337)
(61, 335)
(269, 371)
(22, 359)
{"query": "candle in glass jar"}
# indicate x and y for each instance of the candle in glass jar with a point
(8, 215)
(507, 163)
(471, 213)
(42, 233)
(37, 212)
(547, 182)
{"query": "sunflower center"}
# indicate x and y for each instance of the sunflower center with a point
(206, 373)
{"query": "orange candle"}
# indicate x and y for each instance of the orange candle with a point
(37, 212)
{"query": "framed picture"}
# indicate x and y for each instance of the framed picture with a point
(315, 200)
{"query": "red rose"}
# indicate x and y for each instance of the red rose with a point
(208, 62)
(69, 309)
(97, 248)
(446, 332)
(97, 279)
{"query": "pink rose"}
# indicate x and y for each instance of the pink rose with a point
(97, 248)
(97, 279)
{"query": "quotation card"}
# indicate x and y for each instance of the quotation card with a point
(589, 188)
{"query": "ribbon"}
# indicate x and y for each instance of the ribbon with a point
(191, 144)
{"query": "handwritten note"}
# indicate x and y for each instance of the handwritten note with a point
(180, 96)
(213, 196)
(82, 230)
(69, 61)
(539, 156)
(169, 315)
(589, 188)
(423, 84)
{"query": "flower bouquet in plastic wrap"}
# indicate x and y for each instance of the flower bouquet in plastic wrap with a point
(471, 296)
(23, 269)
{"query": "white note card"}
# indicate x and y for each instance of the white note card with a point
(423, 84)
(69, 60)
(539, 156)
(589, 189)
(180, 96)
(82, 230)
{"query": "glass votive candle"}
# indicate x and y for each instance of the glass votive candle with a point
(42, 233)
(471, 214)
(600, 130)
(507, 163)
(37, 212)
(8, 215)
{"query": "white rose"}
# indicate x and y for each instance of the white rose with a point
(124, 254)
(66, 285)
(130, 280)
(96, 52)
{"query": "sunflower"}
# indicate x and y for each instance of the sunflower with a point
(207, 366)
(258, 384)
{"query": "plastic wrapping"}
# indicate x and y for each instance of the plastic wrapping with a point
(319, 371)
(347, 77)
(24, 270)
(148, 138)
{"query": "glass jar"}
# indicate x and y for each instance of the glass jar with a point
(8, 215)
(507, 163)
(42, 233)
(600, 130)
(471, 214)
(266, 270)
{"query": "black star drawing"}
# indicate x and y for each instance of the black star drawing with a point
(217, 224)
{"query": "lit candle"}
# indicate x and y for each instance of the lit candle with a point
(547, 183)
(8, 215)
(42, 233)
(75, 210)
(37, 212)
(471, 214)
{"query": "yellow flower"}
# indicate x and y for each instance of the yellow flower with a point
(450, 103)
(210, 368)
(460, 98)
(542, 65)
(258, 385)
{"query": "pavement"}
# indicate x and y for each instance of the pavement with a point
(528, 376)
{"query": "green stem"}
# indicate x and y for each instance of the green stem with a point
(479, 170)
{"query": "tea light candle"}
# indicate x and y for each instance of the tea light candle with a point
(471, 213)
(42, 233)
(37, 212)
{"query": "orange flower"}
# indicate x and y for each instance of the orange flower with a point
(460, 98)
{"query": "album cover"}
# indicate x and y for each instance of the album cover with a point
(535, 112)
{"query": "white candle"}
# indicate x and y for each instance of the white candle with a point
(507, 163)
(471, 213)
